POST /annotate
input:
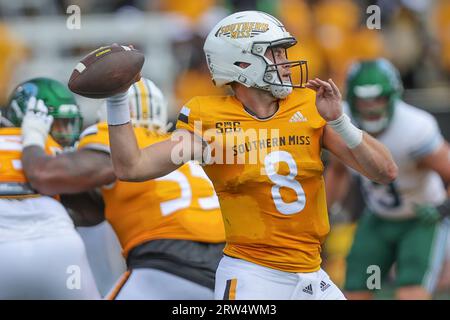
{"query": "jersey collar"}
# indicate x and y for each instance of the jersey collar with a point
(253, 115)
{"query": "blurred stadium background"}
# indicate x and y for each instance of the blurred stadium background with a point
(414, 35)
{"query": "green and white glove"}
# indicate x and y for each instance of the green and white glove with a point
(36, 123)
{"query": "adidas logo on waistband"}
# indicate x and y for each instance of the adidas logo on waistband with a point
(324, 286)
(298, 117)
(308, 289)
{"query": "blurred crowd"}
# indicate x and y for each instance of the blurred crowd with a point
(414, 35)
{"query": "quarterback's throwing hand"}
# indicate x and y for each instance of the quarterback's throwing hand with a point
(328, 98)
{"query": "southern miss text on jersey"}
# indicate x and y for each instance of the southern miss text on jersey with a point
(181, 205)
(272, 194)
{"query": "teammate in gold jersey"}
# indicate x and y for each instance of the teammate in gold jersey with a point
(42, 255)
(261, 148)
(170, 229)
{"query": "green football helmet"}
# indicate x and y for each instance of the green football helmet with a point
(373, 87)
(61, 103)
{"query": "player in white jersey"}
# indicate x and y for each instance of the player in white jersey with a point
(41, 254)
(404, 222)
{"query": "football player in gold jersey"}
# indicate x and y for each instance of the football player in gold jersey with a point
(269, 182)
(170, 229)
(42, 255)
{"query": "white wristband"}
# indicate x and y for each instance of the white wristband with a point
(117, 109)
(349, 133)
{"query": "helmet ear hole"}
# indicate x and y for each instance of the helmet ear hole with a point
(242, 65)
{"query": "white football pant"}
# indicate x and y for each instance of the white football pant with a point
(153, 284)
(41, 254)
(237, 279)
(104, 254)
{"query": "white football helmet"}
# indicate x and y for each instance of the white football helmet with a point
(148, 107)
(245, 37)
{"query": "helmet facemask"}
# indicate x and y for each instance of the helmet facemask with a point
(66, 130)
(280, 86)
(373, 113)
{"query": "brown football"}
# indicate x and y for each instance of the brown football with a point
(106, 71)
